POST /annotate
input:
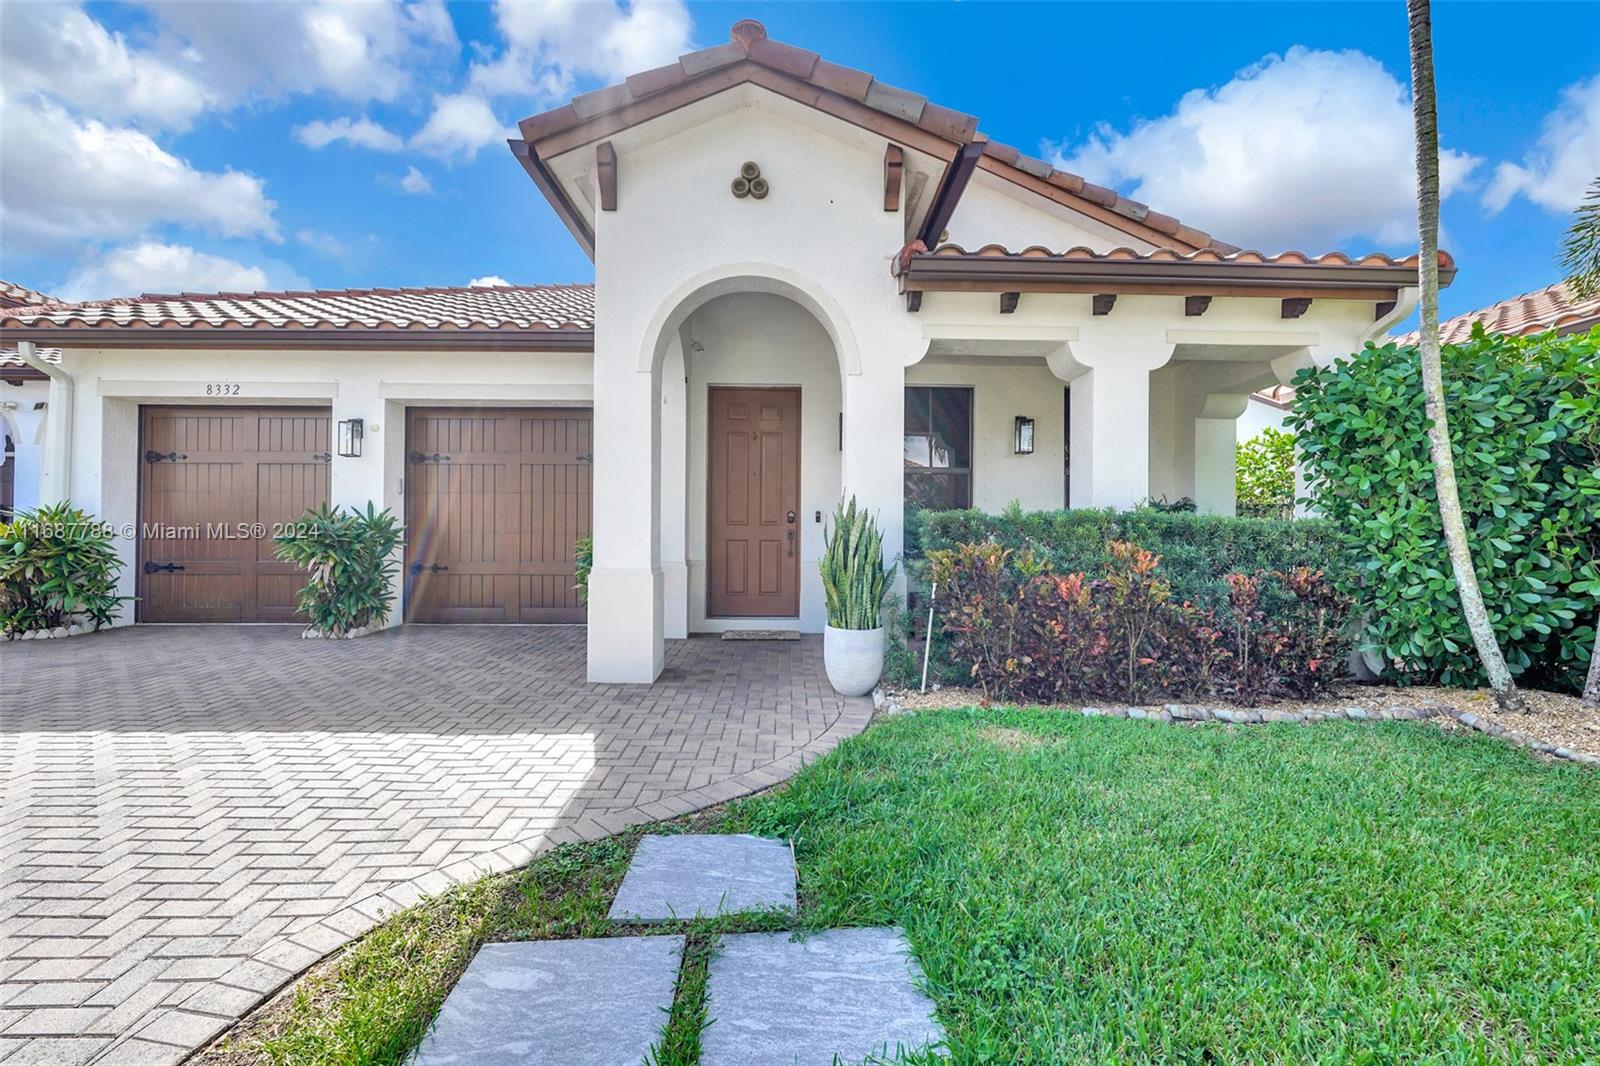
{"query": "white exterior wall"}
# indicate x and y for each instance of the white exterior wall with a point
(1259, 415)
(678, 239)
(374, 386)
(999, 394)
(996, 211)
(24, 420)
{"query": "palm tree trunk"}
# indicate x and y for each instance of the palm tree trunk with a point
(1591, 688)
(1425, 110)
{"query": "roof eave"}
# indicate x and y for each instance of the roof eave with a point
(565, 209)
(515, 339)
(936, 273)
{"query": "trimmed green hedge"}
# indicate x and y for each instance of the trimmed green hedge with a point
(1525, 428)
(1196, 550)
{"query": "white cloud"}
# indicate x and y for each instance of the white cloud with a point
(551, 46)
(153, 267)
(488, 281)
(64, 181)
(325, 244)
(357, 51)
(1565, 160)
(415, 182)
(60, 50)
(461, 124)
(361, 132)
(1311, 149)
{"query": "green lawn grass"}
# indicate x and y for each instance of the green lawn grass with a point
(1096, 890)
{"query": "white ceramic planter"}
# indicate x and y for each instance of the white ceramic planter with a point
(853, 658)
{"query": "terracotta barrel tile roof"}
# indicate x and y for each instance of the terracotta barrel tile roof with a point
(749, 43)
(14, 295)
(557, 308)
(1204, 255)
(1552, 307)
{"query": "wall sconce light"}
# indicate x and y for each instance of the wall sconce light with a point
(1024, 436)
(350, 434)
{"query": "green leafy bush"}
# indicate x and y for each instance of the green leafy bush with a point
(583, 562)
(1525, 424)
(1197, 551)
(349, 557)
(1020, 630)
(853, 577)
(1264, 475)
(57, 568)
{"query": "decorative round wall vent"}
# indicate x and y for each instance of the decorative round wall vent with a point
(750, 183)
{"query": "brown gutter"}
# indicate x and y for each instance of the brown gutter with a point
(512, 339)
(566, 210)
(984, 273)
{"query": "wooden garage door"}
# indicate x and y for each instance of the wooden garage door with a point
(495, 501)
(214, 481)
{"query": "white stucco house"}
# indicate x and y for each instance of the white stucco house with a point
(808, 284)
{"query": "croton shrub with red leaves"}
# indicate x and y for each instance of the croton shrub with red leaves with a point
(1024, 632)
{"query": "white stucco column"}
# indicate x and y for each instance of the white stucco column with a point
(1111, 418)
(674, 492)
(626, 615)
(1215, 488)
(873, 464)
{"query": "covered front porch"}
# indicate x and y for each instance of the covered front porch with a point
(753, 410)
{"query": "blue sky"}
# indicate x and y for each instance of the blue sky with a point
(202, 146)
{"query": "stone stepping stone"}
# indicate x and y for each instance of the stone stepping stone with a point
(689, 876)
(562, 1002)
(838, 996)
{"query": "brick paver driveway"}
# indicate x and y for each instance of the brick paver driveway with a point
(192, 815)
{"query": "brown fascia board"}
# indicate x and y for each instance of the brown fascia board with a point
(935, 273)
(17, 373)
(565, 209)
(511, 339)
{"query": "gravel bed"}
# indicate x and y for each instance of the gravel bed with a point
(1555, 724)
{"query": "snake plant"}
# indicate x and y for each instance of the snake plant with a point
(853, 576)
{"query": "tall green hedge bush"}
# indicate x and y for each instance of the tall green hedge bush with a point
(1525, 424)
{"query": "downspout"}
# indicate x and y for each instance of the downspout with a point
(56, 478)
(1405, 302)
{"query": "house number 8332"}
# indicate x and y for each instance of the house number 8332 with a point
(217, 388)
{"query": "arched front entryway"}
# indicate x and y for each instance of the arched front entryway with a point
(736, 411)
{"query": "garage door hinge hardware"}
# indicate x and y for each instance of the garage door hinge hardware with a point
(162, 568)
(417, 568)
(323, 457)
(159, 457)
(418, 457)
(586, 457)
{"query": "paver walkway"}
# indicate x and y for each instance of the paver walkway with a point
(191, 815)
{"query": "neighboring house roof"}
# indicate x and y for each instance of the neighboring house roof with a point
(1552, 307)
(1279, 396)
(14, 295)
(853, 95)
(12, 368)
(1294, 275)
(518, 316)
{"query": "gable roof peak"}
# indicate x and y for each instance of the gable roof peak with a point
(746, 32)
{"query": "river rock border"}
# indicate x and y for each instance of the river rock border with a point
(76, 629)
(1183, 715)
(313, 633)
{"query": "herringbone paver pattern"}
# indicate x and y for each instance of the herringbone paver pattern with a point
(189, 816)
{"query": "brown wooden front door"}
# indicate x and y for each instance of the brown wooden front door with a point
(216, 483)
(752, 500)
(496, 500)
